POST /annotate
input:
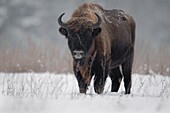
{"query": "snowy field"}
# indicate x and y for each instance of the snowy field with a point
(51, 93)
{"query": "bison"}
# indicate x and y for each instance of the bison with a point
(101, 44)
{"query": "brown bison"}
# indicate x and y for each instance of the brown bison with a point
(102, 44)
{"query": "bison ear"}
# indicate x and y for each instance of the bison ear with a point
(63, 31)
(96, 31)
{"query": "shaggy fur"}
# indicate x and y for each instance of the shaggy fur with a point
(112, 48)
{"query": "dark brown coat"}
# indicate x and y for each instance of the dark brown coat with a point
(112, 48)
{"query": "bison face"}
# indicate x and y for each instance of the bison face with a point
(80, 41)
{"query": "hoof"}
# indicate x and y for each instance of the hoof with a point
(99, 90)
(83, 91)
(114, 89)
(127, 92)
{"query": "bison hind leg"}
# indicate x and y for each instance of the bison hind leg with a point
(116, 78)
(127, 70)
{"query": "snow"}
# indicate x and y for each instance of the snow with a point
(58, 93)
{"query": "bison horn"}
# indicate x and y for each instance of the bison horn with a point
(62, 24)
(98, 23)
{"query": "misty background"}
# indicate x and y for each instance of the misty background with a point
(30, 41)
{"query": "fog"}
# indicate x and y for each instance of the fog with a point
(36, 20)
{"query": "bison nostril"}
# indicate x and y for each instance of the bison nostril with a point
(78, 54)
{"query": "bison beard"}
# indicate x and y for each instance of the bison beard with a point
(100, 41)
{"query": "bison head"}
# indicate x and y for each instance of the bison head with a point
(80, 33)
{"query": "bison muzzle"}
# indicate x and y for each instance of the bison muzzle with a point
(102, 44)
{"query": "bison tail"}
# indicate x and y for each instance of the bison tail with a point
(133, 29)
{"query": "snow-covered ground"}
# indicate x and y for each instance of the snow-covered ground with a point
(51, 93)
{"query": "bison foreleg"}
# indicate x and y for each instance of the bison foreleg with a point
(99, 84)
(81, 83)
(100, 79)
